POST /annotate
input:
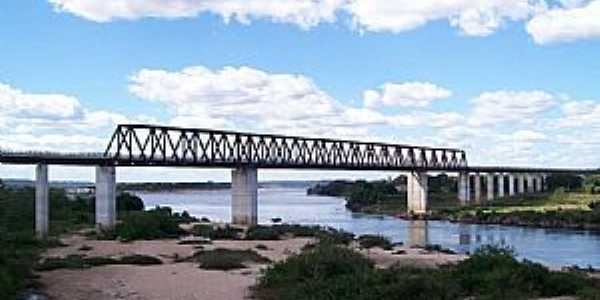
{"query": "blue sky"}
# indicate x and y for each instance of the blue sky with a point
(513, 82)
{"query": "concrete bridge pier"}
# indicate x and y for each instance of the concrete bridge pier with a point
(417, 188)
(530, 183)
(477, 187)
(41, 201)
(244, 196)
(521, 184)
(464, 188)
(490, 187)
(106, 201)
(501, 179)
(511, 185)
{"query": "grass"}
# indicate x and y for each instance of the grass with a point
(333, 272)
(226, 259)
(81, 262)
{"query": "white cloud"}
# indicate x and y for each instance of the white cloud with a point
(571, 23)
(14, 103)
(567, 20)
(54, 122)
(528, 136)
(472, 17)
(304, 13)
(510, 106)
(580, 114)
(250, 99)
(409, 94)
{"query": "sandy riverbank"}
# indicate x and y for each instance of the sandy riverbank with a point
(184, 280)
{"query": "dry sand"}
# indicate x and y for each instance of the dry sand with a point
(185, 281)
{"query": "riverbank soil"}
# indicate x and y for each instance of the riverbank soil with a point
(185, 280)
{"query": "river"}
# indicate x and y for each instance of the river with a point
(552, 247)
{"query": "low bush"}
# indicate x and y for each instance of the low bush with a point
(226, 259)
(263, 233)
(146, 225)
(368, 241)
(81, 262)
(216, 232)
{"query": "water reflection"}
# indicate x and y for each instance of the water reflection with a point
(418, 233)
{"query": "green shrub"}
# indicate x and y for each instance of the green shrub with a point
(127, 202)
(263, 233)
(368, 241)
(216, 232)
(226, 259)
(327, 271)
(145, 225)
(81, 262)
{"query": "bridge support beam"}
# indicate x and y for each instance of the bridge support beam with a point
(417, 188)
(490, 187)
(41, 201)
(521, 184)
(106, 200)
(464, 188)
(511, 185)
(244, 196)
(501, 179)
(477, 188)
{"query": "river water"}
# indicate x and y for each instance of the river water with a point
(551, 247)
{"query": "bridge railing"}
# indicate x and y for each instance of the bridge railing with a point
(158, 145)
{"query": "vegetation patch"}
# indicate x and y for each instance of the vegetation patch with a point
(333, 272)
(216, 232)
(157, 223)
(263, 233)
(226, 259)
(369, 241)
(82, 262)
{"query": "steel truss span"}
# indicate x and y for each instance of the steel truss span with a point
(144, 145)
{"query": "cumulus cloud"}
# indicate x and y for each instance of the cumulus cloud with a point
(580, 114)
(578, 20)
(409, 94)
(38, 121)
(248, 98)
(15, 103)
(565, 20)
(304, 13)
(510, 106)
(472, 17)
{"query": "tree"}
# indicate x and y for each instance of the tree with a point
(127, 202)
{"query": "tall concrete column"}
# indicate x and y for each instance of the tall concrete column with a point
(41, 201)
(490, 187)
(244, 196)
(464, 188)
(106, 201)
(501, 179)
(477, 188)
(521, 183)
(417, 187)
(511, 185)
(530, 187)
